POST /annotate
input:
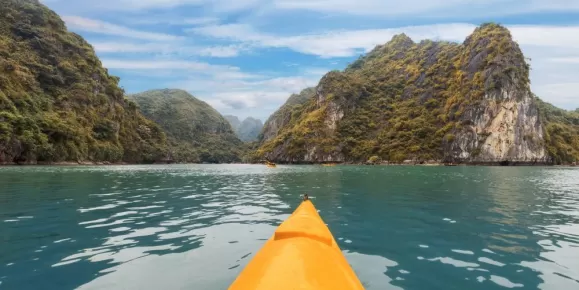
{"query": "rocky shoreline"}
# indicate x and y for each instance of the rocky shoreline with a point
(384, 163)
(65, 163)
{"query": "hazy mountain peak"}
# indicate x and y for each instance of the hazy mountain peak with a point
(247, 130)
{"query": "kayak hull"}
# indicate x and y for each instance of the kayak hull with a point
(302, 254)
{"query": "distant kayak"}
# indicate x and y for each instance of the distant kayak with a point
(301, 254)
(270, 164)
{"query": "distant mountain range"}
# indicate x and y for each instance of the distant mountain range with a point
(248, 130)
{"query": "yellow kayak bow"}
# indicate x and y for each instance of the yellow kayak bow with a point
(301, 254)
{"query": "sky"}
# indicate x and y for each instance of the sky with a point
(246, 57)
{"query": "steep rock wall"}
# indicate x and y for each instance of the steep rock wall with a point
(463, 103)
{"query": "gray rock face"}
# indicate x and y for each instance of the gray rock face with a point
(502, 128)
(505, 125)
(282, 116)
(334, 112)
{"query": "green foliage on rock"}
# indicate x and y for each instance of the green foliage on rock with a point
(285, 114)
(57, 102)
(196, 132)
(561, 132)
(403, 100)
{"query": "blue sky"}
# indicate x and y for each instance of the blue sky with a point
(245, 57)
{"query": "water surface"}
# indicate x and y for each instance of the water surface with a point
(196, 226)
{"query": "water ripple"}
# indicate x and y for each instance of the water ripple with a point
(399, 227)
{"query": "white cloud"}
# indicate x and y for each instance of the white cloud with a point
(233, 31)
(553, 49)
(378, 8)
(564, 94)
(565, 59)
(168, 49)
(178, 66)
(372, 7)
(545, 35)
(170, 20)
(555, 74)
(150, 4)
(235, 5)
(96, 26)
(154, 64)
(123, 47)
(342, 43)
(257, 96)
(136, 6)
(428, 8)
(555, 61)
(220, 5)
(220, 51)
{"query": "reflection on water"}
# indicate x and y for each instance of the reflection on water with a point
(558, 234)
(196, 226)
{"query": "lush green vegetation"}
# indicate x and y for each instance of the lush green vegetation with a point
(275, 129)
(561, 132)
(403, 100)
(287, 114)
(196, 132)
(57, 102)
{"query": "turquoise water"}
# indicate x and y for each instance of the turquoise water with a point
(196, 226)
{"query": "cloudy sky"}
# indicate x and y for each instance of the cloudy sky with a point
(245, 57)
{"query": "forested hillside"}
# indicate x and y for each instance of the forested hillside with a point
(561, 132)
(196, 132)
(57, 102)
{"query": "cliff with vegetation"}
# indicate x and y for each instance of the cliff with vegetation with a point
(427, 101)
(247, 130)
(561, 132)
(283, 116)
(196, 132)
(57, 102)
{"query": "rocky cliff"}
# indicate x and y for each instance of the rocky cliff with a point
(283, 116)
(464, 103)
(57, 102)
(502, 124)
(196, 131)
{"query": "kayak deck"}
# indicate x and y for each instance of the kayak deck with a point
(301, 254)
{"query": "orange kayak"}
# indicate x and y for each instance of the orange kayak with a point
(301, 254)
